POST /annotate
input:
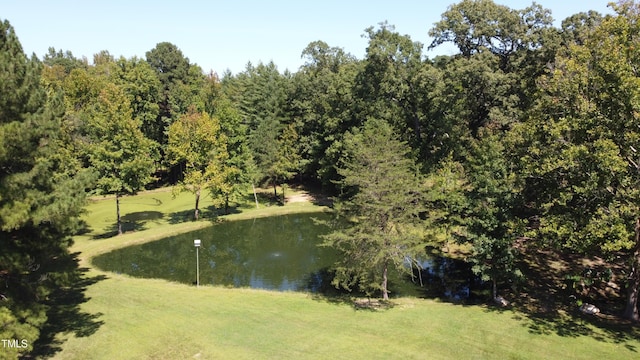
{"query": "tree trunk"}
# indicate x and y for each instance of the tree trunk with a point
(118, 214)
(494, 288)
(275, 192)
(197, 211)
(226, 204)
(283, 197)
(255, 196)
(633, 284)
(385, 292)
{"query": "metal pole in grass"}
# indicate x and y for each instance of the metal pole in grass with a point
(196, 243)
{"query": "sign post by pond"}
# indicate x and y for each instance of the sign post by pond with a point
(196, 243)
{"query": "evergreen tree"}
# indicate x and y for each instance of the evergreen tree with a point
(41, 195)
(266, 152)
(490, 224)
(378, 211)
(181, 86)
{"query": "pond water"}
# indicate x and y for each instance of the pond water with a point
(274, 253)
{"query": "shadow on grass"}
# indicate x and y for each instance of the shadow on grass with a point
(323, 290)
(135, 221)
(539, 308)
(359, 303)
(207, 214)
(264, 199)
(64, 315)
(604, 329)
(545, 306)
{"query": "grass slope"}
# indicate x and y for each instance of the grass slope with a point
(157, 319)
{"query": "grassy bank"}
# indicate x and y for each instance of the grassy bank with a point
(130, 318)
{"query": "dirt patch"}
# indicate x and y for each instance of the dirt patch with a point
(300, 198)
(306, 196)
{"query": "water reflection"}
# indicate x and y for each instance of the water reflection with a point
(275, 253)
(450, 279)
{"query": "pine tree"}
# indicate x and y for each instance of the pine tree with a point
(378, 212)
(41, 195)
(490, 221)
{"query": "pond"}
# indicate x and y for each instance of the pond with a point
(275, 253)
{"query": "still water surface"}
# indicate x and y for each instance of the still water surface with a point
(274, 253)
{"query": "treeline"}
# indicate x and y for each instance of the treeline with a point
(528, 135)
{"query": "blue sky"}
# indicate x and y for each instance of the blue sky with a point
(220, 35)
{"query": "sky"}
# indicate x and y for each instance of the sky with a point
(225, 35)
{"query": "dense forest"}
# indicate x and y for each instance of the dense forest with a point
(526, 140)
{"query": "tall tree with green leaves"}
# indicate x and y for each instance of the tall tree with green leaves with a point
(42, 193)
(143, 88)
(376, 215)
(123, 157)
(240, 166)
(388, 84)
(181, 86)
(580, 147)
(172, 68)
(491, 226)
(197, 143)
(502, 52)
(265, 148)
(321, 98)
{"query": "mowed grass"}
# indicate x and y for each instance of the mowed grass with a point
(157, 319)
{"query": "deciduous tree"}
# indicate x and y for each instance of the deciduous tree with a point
(123, 157)
(196, 142)
(580, 147)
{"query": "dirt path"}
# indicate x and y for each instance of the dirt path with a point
(307, 197)
(300, 198)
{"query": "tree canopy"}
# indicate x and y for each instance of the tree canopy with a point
(42, 193)
(377, 211)
(525, 141)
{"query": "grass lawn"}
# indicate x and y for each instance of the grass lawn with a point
(131, 318)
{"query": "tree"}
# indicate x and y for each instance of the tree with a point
(491, 225)
(143, 88)
(265, 148)
(378, 211)
(181, 84)
(388, 84)
(240, 167)
(446, 201)
(65, 60)
(502, 53)
(289, 156)
(321, 99)
(579, 147)
(476, 26)
(117, 149)
(42, 193)
(196, 142)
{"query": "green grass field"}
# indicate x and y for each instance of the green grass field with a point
(130, 318)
